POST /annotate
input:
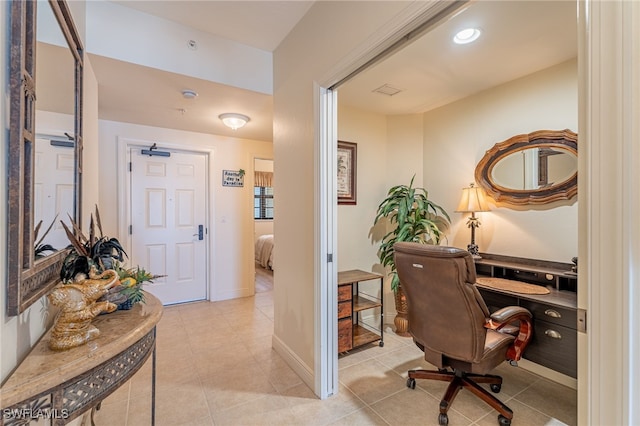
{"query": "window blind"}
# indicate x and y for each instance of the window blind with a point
(264, 179)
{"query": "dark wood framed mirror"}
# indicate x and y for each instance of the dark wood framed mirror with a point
(31, 272)
(534, 168)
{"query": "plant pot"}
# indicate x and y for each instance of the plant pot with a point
(401, 321)
(126, 305)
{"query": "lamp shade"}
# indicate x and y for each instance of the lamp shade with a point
(472, 200)
(233, 120)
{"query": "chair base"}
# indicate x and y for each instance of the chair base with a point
(458, 380)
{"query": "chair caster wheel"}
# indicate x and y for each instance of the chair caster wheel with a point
(381, 344)
(503, 421)
(443, 419)
(411, 383)
(495, 388)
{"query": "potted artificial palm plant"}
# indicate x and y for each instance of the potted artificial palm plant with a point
(99, 252)
(414, 218)
(96, 253)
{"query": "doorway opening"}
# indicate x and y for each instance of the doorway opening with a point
(263, 211)
(352, 82)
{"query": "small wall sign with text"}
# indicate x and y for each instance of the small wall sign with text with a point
(233, 177)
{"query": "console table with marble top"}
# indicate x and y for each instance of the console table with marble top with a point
(59, 386)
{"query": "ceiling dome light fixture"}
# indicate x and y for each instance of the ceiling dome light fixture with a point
(233, 120)
(466, 36)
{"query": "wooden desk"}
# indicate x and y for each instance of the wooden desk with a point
(555, 315)
(352, 333)
(64, 385)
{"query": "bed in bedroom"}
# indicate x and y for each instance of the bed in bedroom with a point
(264, 251)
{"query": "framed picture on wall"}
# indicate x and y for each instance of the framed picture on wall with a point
(347, 172)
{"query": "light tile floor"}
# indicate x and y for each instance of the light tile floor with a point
(215, 366)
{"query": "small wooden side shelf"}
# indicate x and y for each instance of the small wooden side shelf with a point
(54, 388)
(352, 302)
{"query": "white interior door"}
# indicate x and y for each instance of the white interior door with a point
(169, 223)
(54, 190)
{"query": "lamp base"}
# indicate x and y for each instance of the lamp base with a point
(473, 249)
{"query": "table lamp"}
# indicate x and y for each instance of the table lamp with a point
(472, 201)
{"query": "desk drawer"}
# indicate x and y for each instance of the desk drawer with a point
(344, 309)
(554, 346)
(551, 314)
(345, 292)
(345, 334)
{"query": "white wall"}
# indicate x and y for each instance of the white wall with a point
(383, 144)
(357, 238)
(308, 54)
(262, 227)
(231, 208)
(456, 137)
(405, 150)
(123, 33)
(263, 165)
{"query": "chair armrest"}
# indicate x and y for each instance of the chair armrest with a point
(509, 314)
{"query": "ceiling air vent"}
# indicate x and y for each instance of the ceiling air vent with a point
(387, 89)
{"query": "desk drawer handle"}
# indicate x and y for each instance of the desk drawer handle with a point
(553, 334)
(553, 314)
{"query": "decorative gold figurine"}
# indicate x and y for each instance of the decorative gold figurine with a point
(78, 306)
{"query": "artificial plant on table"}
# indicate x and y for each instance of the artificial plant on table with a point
(93, 254)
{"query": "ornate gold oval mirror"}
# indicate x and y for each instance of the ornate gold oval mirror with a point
(535, 168)
(45, 146)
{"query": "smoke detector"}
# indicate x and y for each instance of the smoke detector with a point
(189, 94)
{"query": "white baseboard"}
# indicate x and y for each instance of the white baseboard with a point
(234, 294)
(548, 373)
(301, 369)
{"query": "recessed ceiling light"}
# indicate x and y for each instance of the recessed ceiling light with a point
(466, 36)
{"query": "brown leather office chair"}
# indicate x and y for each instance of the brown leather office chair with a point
(450, 322)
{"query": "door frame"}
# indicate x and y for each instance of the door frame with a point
(414, 20)
(124, 146)
(608, 63)
(609, 242)
(250, 179)
(326, 247)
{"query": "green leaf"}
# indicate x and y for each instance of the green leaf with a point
(414, 217)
